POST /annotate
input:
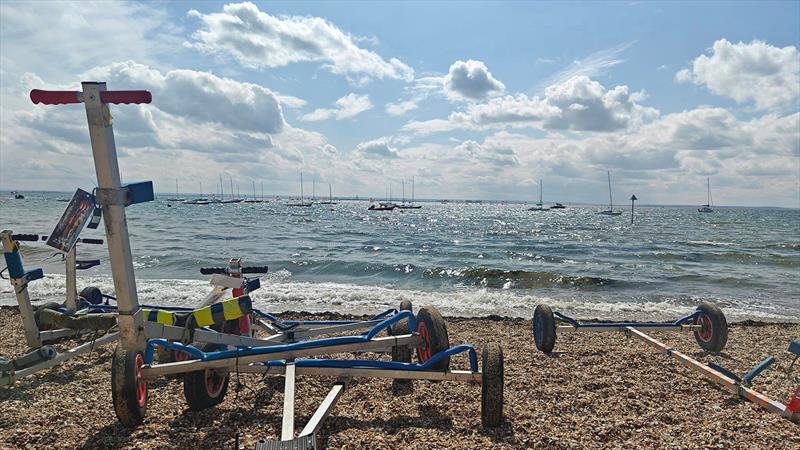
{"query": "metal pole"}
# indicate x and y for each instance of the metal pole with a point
(72, 288)
(633, 199)
(101, 134)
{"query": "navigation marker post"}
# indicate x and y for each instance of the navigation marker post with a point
(633, 199)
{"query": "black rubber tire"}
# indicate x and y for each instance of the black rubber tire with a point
(429, 319)
(713, 320)
(92, 295)
(406, 305)
(492, 385)
(196, 391)
(124, 387)
(402, 354)
(544, 328)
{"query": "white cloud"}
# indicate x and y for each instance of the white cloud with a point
(58, 39)
(376, 149)
(593, 65)
(767, 75)
(401, 107)
(348, 106)
(198, 95)
(578, 104)
(471, 80)
(257, 40)
(290, 101)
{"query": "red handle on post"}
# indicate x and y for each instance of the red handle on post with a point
(54, 97)
(126, 97)
(65, 97)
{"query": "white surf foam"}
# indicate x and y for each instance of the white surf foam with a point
(279, 293)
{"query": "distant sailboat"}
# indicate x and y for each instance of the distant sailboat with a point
(177, 195)
(17, 195)
(539, 206)
(610, 211)
(199, 200)
(254, 199)
(411, 205)
(707, 207)
(330, 197)
(302, 202)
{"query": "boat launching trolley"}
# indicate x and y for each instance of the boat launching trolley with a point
(710, 329)
(290, 348)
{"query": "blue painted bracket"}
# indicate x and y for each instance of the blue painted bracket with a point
(762, 366)
(675, 323)
(139, 192)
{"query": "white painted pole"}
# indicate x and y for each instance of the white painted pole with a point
(101, 134)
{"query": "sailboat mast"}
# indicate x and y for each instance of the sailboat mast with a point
(708, 191)
(301, 187)
(404, 190)
(540, 193)
(412, 190)
(231, 178)
(330, 192)
(262, 191)
(610, 200)
(254, 188)
(176, 187)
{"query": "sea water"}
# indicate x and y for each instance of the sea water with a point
(468, 259)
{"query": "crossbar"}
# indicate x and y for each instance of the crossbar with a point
(325, 408)
(287, 426)
(603, 327)
(150, 371)
(465, 376)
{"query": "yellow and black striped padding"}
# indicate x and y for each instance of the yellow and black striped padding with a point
(219, 313)
(215, 314)
(159, 315)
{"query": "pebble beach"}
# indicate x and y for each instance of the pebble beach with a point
(598, 390)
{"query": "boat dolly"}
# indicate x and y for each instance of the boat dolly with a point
(290, 349)
(710, 328)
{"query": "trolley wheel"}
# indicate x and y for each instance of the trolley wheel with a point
(401, 354)
(92, 295)
(128, 392)
(205, 388)
(713, 335)
(433, 331)
(492, 385)
(544, 328)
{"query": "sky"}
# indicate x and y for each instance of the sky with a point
(473, 100)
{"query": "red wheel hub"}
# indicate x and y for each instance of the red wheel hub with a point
(214, 382)
(141, 386)
(424, 351)
(706, 331)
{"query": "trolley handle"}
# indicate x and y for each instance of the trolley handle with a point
(25, 237)
(90, 241)
(126, 97)
(250, 269)
(55, 97)
(66, 97)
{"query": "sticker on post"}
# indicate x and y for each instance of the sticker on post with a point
(73, 220)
